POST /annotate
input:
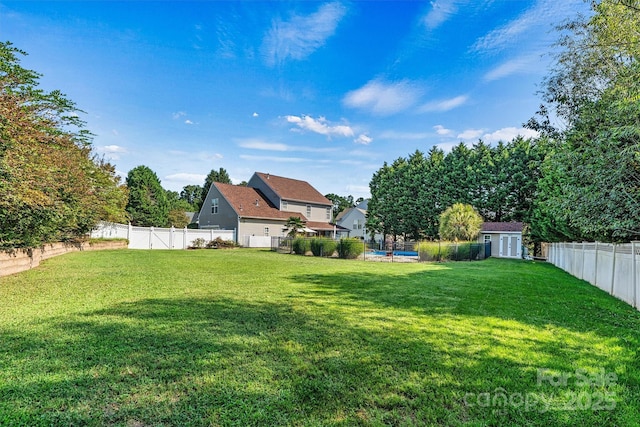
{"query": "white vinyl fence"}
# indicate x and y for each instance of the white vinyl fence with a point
(614, 268)
(158, 238)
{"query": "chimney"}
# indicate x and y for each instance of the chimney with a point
(257, 202)
(268, 174)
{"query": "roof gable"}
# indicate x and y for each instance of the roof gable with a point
(293, 189)
(251, 203)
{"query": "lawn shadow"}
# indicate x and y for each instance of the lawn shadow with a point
(221, 361)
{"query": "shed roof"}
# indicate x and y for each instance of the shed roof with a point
(511, 227)
(293, 189)
(251, 203)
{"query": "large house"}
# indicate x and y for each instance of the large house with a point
(262, 208)
(354, 219)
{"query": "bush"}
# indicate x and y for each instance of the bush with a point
(300, 245)
(197, 243)
(433, 251)
(219, 243)
(350, 248)
(448, 251)
(323, 246)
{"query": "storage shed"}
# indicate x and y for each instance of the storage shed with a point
(505, 238)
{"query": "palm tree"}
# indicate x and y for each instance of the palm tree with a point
(294, 225)
(460, 222)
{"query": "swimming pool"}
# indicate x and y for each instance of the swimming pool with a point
(395, 253)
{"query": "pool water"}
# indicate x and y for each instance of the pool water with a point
(397, 253)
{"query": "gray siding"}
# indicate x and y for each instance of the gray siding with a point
(225, 219)
(257, 182)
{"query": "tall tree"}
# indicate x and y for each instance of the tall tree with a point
(192, 194)
(595, 87)
(148, 205)
(52, 186)
(219, 175)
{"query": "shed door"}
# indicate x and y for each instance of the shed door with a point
(510, 245)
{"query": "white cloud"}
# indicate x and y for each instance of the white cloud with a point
(255, 115)
(301, 35)
(274, 159)
(384, 98)
(444, 105)
(508, 133)
(188, 122)
(179, 114)
(441, 11)
(112, 151)
(320, 125)
(539, 18)
(441, 130)
(470, 134)
(256, 144)
(513, 66)
(363, 139)
(186, 178)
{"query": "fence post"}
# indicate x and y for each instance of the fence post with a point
(613, 269)
(172, 230)
(595, 268)
(583, 257)
(184, 237)
(150, 237)
(129, 230)
(634, 272)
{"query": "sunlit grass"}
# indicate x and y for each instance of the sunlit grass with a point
(249, 337)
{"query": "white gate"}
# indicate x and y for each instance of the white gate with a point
(159, 238)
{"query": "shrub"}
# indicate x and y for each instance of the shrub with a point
(219, 243)
(448, 251)
(300, 246)
(323, 246)
(350, 248)
(433, 251)
(197, 243)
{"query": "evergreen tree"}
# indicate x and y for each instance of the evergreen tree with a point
(148, 205)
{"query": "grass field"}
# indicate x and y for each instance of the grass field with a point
(250, 337)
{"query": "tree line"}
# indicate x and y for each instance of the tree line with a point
(579, 180)
(408, 195)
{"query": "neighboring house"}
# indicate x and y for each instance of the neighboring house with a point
(262, 208)
(354, 219)
(505, 238)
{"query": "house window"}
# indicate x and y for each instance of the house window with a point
(357, 225)
(487, 238)
(328, 213)
(266, 231)
(308, 211)
(285, 205)
(214, 206)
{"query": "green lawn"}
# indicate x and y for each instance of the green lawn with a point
(250, 337)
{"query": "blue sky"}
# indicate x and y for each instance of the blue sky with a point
(320, 91)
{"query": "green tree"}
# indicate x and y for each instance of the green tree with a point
(148, 205)
(52, 186)
(219, 175)
(192, 194)
(592, 186)
(178, 208)
(460, 222)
